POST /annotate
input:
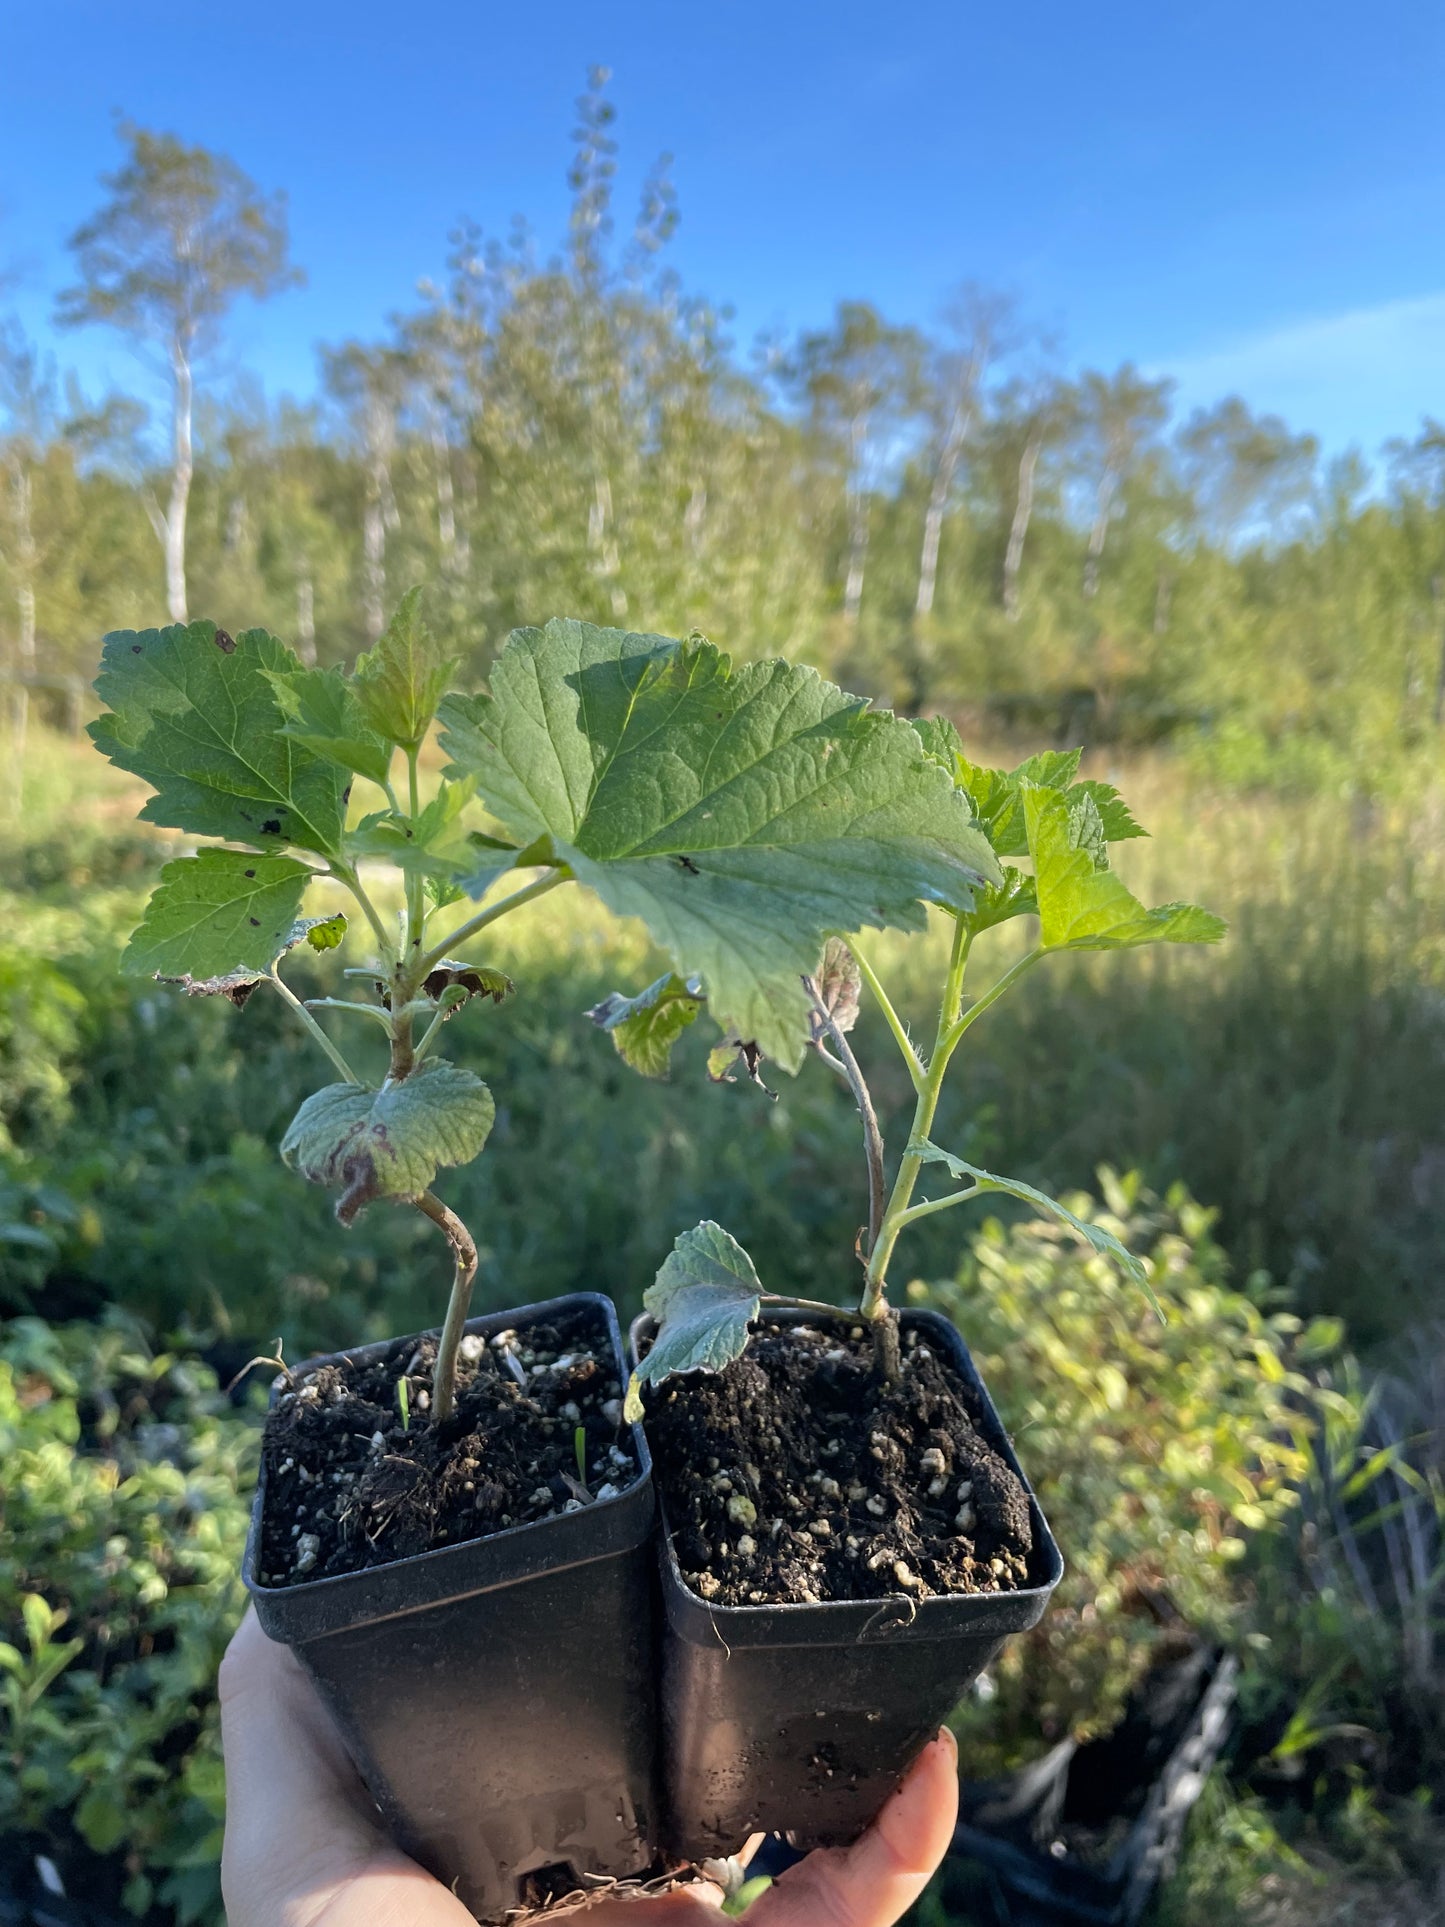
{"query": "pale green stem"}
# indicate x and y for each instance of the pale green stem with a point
(916, 1211)
(431, 1031)
(911, 1058)
(373, 1011)
(991, 996)
(289, 996)
(344, 873)
(875, 1302)
(489, 915)
(444, 1372)
(415, 890)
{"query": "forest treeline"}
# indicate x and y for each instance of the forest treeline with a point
(940, 518)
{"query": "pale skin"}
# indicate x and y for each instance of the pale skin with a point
(303, 1848)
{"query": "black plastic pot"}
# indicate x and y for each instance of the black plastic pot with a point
(497, 1697)
(803, 1719)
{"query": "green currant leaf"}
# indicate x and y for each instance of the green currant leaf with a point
(323, 712)
(194, 713)
(389, 1143)
(1104, 1242)
(704, 1298)
(217, 913)
(400, 682)
(325, 933)
(1084, 907)
(743, 815)
(644, 1028)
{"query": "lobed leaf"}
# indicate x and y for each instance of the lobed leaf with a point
(1082, 906)
(400, 682)
(743, 816)
(216, 915)
(194, 713)
(704, 1298)
(389, 1143)
(645, 1028)
(324, 713)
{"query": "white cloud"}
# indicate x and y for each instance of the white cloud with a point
(1361, 376)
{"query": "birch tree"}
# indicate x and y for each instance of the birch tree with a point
(860, 379)
(1121, 416)
(980, 328)
(182, 236)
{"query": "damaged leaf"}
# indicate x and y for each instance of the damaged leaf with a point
(644, 1028)
(389, 1143)
(457, 983)
(200, 722)
(218, 913)
(840, 983)
(704, 1298)
(732, 1054)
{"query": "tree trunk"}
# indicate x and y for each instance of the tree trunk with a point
(379, 514)
(305, 619)
(1163, 600)
(1437, 715)
(446, 499)
(1019, 527)
(1099, 534)
(943, 474)
(602, 536)
(181, 472)
(26, 559)
(857, 520)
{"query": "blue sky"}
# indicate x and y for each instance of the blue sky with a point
(1245, 196)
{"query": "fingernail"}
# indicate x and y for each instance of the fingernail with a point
(947, 1738)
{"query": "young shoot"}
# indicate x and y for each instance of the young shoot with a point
(1041, 815)
(742, 814)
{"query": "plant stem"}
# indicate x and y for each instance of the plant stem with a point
(916, 1211)
(824, 1020)
(911, 1058)
(444, 1372)
(991, 996)
(289, 996)
(415, 889)
(344, 873)
(490, 915)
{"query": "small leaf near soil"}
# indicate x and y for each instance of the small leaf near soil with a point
(644, 1028)
(389, 1143)
(704, 1298)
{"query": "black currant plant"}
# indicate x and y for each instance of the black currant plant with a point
(743, 815)
(708, 1293)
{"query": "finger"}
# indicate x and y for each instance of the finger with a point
(873, 1882)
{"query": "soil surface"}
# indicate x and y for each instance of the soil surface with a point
(351, 1484)
(795, 1475)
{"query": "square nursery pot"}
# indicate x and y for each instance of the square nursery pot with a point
(498, 1695)
(802, 1720)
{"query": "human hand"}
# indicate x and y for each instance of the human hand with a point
(304, 1847)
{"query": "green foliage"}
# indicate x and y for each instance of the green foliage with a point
(194, 714)
(704, 1298)
(644, 1028)
(125, 1511)
(1156, 1446)
(400, 682)
(389, 1143)
(1082, 904)
(741, 815)
(217, 914)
